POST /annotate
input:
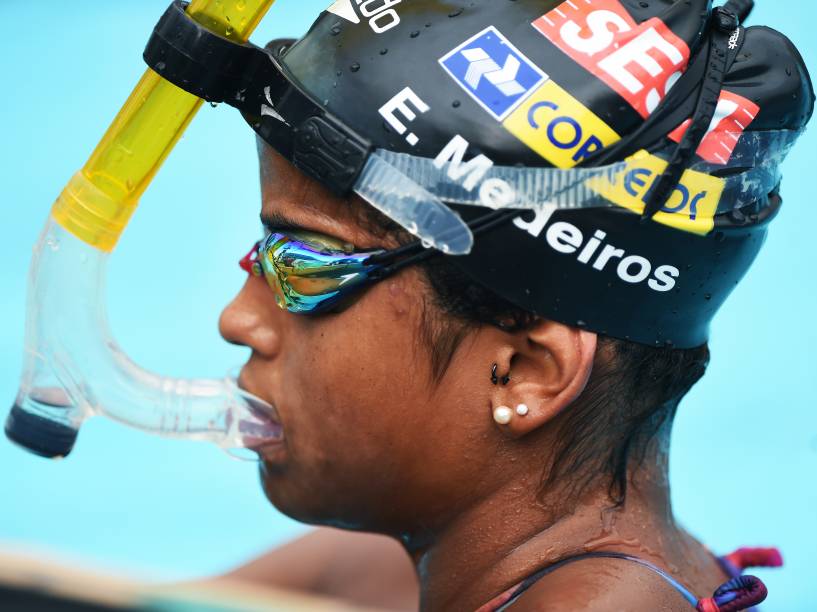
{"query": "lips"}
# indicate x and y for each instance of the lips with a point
(261, 426)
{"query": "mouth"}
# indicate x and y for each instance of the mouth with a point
(262, 432)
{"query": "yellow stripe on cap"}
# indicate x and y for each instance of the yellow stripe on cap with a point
(558, 127)
(691, 207)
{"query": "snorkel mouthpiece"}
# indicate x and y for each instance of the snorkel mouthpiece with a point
(73, 369)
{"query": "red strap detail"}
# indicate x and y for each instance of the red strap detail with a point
(707, 605)
(755, 557)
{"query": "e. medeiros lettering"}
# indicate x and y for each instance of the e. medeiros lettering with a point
(561, 236)
(566, 238)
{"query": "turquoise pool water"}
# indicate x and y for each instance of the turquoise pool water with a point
(745, 445)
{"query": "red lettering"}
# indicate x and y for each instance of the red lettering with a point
(638, 61)
(732, 116)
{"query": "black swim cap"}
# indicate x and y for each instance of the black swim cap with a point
(702, 110)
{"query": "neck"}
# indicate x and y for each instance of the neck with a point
(512, 533)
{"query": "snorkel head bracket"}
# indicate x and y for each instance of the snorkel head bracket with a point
(247, 77)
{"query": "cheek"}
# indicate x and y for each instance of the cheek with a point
(354, 382)
(353, 406)
(370, 436)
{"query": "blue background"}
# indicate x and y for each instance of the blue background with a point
(744, 453)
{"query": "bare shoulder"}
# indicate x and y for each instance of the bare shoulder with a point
(602, 585)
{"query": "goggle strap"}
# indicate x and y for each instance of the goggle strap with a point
(405, 263)
(716, 49)
(415, 252)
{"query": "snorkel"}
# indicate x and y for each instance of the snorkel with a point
(73, 368)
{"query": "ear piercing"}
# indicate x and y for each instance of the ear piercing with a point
(495, 378)
(503, 414)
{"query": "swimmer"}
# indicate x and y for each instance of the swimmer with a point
(495, 236)
(502, 420)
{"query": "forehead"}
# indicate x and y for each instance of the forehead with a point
(288, 193)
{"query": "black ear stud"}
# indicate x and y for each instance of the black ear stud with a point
(495, 378)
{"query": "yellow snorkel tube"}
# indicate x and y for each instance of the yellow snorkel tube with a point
(73, 369)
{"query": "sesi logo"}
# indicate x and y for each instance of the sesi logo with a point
(382, 17)
(640, 62)
(732, 116)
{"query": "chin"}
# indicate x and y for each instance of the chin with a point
(312, 503)
(295, 498)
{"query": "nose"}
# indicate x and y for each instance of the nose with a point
(251, 319)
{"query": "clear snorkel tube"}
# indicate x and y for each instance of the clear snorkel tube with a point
(73, 369)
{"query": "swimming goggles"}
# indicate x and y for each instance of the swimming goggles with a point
(312, 273)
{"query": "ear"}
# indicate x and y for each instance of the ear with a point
(549, 366)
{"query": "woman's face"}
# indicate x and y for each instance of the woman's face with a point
(371, 441)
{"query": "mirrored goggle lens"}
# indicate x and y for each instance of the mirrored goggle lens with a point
(311, 273)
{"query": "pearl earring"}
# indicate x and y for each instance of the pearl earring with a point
(522, 410)
(503, 415)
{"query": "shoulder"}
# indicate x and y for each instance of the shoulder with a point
(601, 585)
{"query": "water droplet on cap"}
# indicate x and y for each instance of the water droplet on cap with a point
(354, 67)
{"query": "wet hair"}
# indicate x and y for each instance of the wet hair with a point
(632, 392)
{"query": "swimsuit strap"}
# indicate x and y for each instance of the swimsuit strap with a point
(740, 593)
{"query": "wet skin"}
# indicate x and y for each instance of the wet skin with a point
(374, 443)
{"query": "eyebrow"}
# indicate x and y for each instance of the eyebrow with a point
(274, 220)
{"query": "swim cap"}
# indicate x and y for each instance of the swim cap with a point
(636, 144)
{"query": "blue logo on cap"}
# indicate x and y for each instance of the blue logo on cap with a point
(494, 72)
